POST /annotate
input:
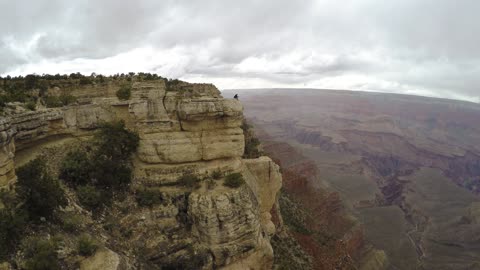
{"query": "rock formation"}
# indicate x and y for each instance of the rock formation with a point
(189, 129)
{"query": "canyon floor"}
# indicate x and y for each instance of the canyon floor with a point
(406, 168)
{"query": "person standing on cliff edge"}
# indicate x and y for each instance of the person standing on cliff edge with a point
(236, 96)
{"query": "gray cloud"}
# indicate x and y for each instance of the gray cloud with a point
(410, 46)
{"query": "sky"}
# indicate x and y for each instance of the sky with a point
(423, 47)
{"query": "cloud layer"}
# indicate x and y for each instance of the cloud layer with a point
(427, 47)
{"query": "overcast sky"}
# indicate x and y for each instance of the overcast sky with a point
(426, 47)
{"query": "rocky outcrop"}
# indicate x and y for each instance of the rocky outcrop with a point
(188, 128)
(7, 150)
(104, 259)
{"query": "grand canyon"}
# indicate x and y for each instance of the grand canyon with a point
(392, 180)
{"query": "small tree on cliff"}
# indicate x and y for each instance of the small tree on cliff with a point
(115, 142)
(40, 193)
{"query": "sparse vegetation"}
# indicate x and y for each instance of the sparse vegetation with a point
(234, 180)
(12, 223)
(148, 197)
(189, 180)
(89, 196)
(85, 80)
(293, 216)
(86, 245)
(33, 86)
(30, 105)
(211, 184)
(71, 222)
(62, 100)
(251, 142)
(40, 254)
(217, 174)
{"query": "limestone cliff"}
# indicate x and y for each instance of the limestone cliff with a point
(188, 129)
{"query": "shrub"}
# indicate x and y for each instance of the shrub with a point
(110, 224)
(251, 142)
(109, 167)
(126, 232)
(30, 105)
(40, 193)
(76, 168)
(53, 102)
(67, 99)
(148, 197)
(234, 180)
(12, 224)
(115, 145)
(41, 254)
(217, 174)
(3, 101)
(124, 92)
(86, 245)
(71, 222)
(85, 80)
(251, 147)
(111, 174)
(62, 100)
(116, 142)
(30, 81)
(90, 197)
(189, 180)
(211, 184)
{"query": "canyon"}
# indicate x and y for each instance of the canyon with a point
(403, 170)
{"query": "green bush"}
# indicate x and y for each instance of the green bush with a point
(12, 224)
(107, 167)
(30, 105)
(53, 102)
(114, 146)
(90, 197)
(111, 174)
(148, 197)
(40, 254)
(124, 92)
(86, 245)
(30, 81)
(40, 193)
(62, 100)
(71, 222)
(189, 180)
(234, 180)
(76, 168)
(217, 174)
(3, 101)
(116, 142)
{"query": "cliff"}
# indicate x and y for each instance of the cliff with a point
(189, 128)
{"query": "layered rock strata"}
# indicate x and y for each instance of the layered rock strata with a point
(189, 130)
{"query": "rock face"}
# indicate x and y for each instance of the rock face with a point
(188, 129)
(7, 150)
(104, 259)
